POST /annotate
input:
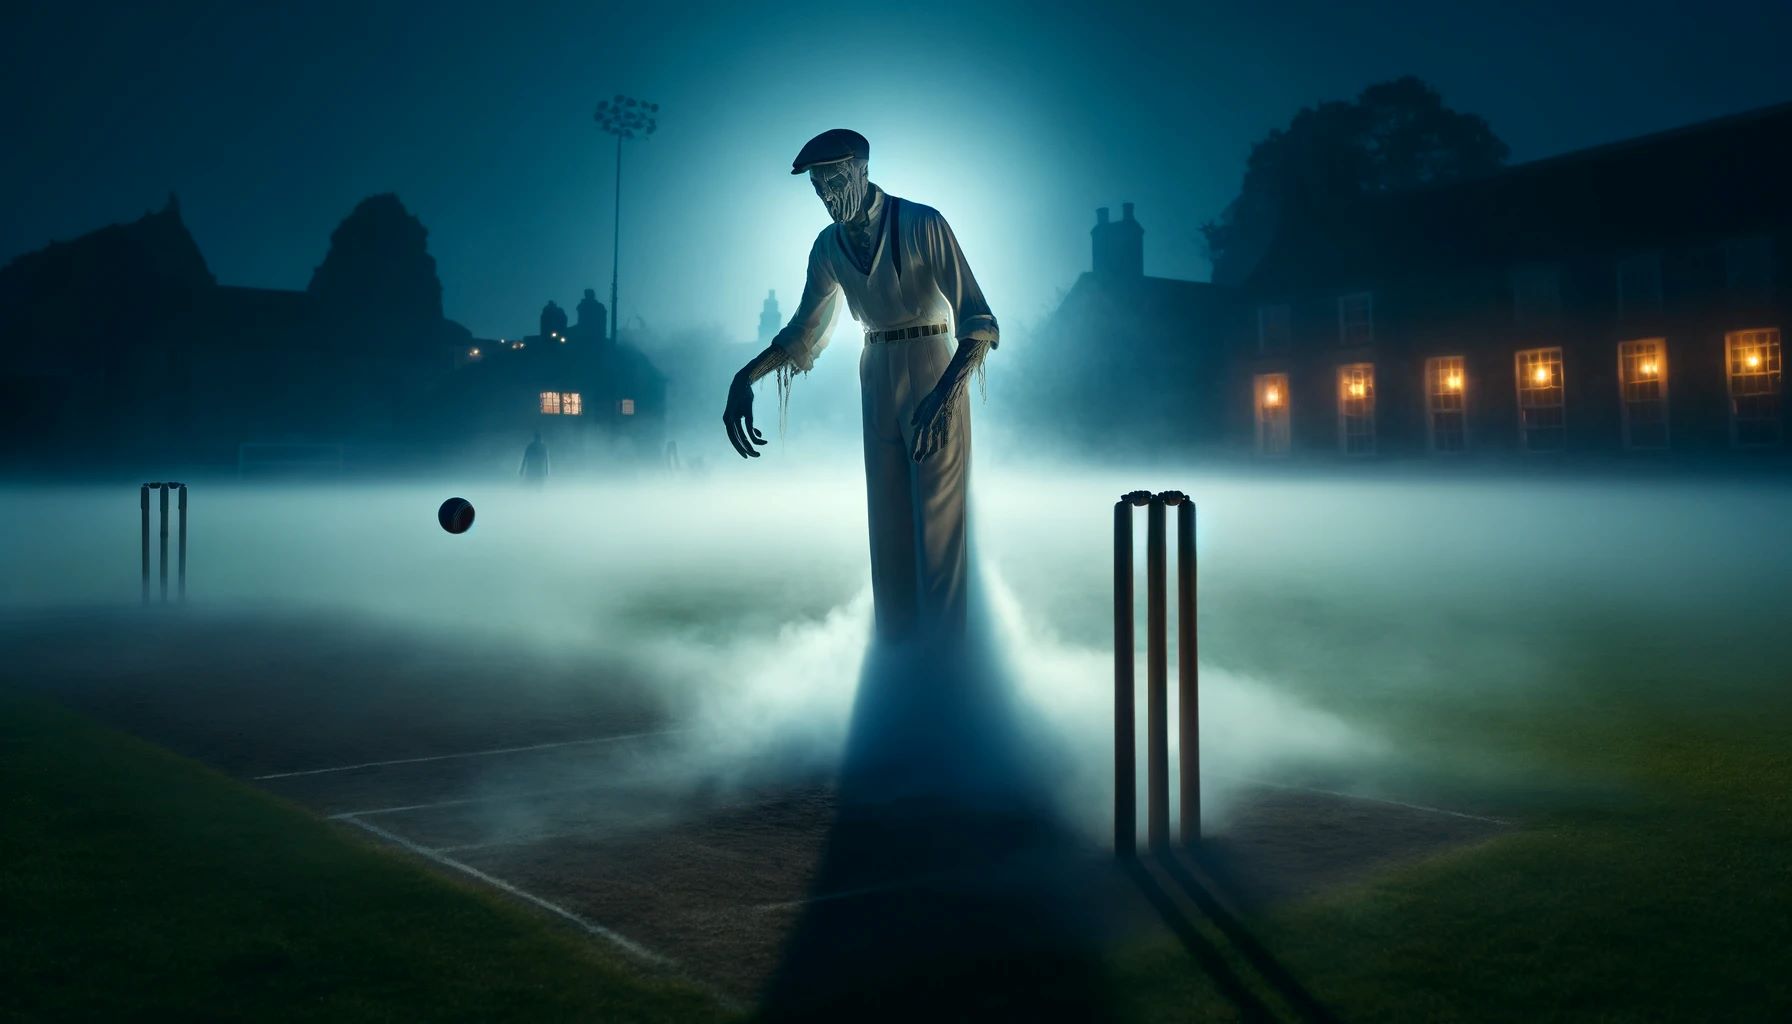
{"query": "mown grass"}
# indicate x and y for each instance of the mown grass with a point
(1649, 763)
(137, 885)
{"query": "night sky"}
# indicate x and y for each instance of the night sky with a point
(1014, 120)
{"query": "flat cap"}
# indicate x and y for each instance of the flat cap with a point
(831, 147)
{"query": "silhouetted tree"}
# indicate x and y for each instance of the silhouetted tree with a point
(1395, 135)
(379, 268)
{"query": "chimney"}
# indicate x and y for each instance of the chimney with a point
(1118, 247)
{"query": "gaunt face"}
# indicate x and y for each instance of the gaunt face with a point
(841, 187)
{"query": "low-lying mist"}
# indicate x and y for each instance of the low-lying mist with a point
(738, 600)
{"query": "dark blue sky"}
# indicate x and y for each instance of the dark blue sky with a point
(1016, 120)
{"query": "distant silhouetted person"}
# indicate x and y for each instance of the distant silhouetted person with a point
(672, 461)
(534, 469)
(591, 313)
(553, 319)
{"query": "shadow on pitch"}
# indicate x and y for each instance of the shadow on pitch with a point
(946, 889)
(1196, 878)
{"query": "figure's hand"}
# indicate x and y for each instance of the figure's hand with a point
(932, 422)
(738, 418)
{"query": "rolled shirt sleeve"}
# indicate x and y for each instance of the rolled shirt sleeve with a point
(803, 338)
(971, 315)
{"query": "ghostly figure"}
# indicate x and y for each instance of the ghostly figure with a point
(927, 330)
(534, 467)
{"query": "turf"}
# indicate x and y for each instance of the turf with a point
(1650, 876)
(139, 885)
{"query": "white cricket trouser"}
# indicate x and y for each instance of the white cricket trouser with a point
(916, 510)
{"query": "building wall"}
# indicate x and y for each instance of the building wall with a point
(1473, 314)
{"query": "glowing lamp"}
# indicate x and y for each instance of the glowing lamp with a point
(1541, 375)
(1753, 360)
(1454, 382)
(1272, 397)
(1647, 369)
(475, 352)
(1357, 390)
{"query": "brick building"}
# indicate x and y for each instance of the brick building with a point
(1626, 299)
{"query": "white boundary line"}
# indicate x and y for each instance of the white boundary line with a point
(470, 753)
(1359, 796)
(621, 941)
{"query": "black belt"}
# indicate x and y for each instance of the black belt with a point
(905, 333)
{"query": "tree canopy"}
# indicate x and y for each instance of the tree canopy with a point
(1395, 135)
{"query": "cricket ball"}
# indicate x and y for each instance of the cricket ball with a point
(455, 515)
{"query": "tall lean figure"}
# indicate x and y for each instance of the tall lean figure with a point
(927, 330)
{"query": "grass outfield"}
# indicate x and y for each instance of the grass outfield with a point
(1651, 878)
(139, 885)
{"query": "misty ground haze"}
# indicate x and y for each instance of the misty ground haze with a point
(738, 604)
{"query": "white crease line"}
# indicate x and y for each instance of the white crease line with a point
(344, 815)
(528, 840)
(470, 753)
(1370, 799)
(622, 942)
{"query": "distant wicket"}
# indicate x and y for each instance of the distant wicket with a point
(143, 503)
(1157, 761)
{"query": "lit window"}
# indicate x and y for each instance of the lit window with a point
(1274, 330)
(1356, 409)
(1541, 415)
(1754, 364)
(1446, 403)
(473, 353)
(571, 404)
(1643, 389)
(626, 407)
(1272, 413)
(1356, 319)
(1536, 296)
(550, 403)
(1639, 284)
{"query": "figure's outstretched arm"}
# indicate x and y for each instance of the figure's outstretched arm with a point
(793, 350)
(765, 362)
(738, 416)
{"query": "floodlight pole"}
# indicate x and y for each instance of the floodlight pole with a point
(625, 118)
(616, 239)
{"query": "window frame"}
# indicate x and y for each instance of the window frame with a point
(1437, 369)
(1527, 311)
(1279, 425)
(1368, 322)
(550, 398)
(1630, 356)
(1365, 415)
(1773, 396)
(1525, 382)
(1266, 346)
